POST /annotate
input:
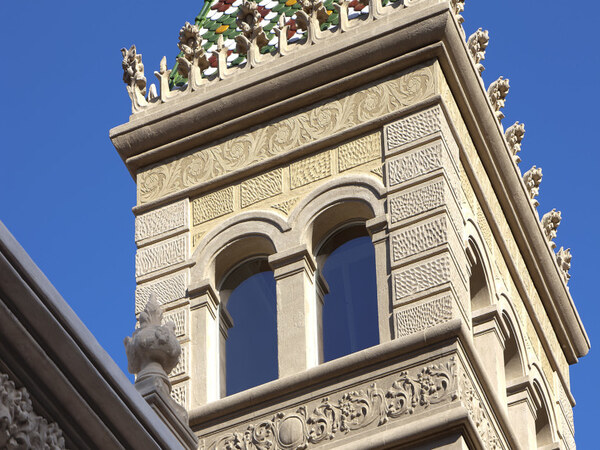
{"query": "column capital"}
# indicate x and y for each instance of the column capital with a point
(378, 228)
(520, 390)
(489, 320)
(292, 261)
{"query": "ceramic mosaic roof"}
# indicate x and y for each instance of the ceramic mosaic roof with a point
(218, 18)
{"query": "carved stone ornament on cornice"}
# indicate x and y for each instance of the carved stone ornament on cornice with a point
(133, 77)
(194, 59)
(563, 258)
(514, 135)
(532, 179)
(550, 223)
(20, 426)
(477, 43)
(497, 94)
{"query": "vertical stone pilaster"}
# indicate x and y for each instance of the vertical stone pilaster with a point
(522, 408)
(428, 266)
(208, 331)
(299, 310)
(489, 336)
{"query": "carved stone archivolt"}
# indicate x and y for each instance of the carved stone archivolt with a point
(497, 94)
(514, 135)
(409, 392)
(325, 119)
(477, 43)
(20, 426)
(532, 179)
(550, 223)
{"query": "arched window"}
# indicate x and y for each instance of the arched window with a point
(480, 293)
(251, 346)
(350, 323)
(513, 364)
(543, 431)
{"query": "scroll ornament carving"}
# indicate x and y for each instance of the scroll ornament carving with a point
(497, 92)
(194, 59)
(253, 37)
(550, 223)
(134, 78)
(476, 409)
(532, 179)
(458, 6)
(411, 392)
(20, 426)
(327, 118)
(514, 135)
(563, 258)
(477, 43)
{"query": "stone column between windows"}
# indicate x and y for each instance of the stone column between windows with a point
(522, 411)
(208, 331)
(428, 265)
(299, 310)
(489, 336)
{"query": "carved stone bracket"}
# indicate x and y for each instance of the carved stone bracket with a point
(550, 223)
(194, 60)
(514, 135)
(532, 179)
(477, 43)
(20, 426)
(563, 258)
(497, 94)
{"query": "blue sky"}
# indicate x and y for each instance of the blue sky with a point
(67, 197)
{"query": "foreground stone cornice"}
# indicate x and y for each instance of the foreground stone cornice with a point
(404, 38)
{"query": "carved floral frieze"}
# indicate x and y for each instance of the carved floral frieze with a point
(328, 117)
(413, 391)
(20, 426)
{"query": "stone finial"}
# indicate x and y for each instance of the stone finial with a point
(190, 44)
(532, 179)
(134, 78)
(477, 43)
(497, 94)
(550, 223)
(514, 135)
(312, 10)
(458, 6)
(563, 258)
(248, 20)
(153, 350)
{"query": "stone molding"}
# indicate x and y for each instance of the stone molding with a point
(20, 425)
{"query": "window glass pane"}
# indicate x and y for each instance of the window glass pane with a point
(252, 341)
(350, 309)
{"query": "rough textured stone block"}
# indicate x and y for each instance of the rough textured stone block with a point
(213, 205)
(310, 169)
(161, 255)
(161, 220)
(423, 316)
(261, 187)
(422, 276)
(418, 238)
(359, 151)
(418, 162)
(166, 290)
(179, 318)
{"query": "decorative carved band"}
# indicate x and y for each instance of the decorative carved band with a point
(20, 426)
(413, 391)
(328, 117)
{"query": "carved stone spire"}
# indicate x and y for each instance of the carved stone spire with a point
(477, 43)
(248, 20)
(497, 95)
(514, 135)
(194, 59)
(134, 78)
(532, 179)
(563, 258)
(550, 223)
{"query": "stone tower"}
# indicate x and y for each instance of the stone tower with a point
(282, 123)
